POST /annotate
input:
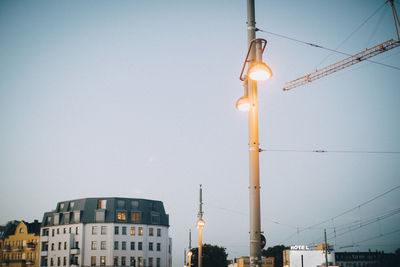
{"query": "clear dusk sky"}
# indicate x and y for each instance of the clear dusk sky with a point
(136, 99)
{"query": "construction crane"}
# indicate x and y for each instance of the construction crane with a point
(351, 60)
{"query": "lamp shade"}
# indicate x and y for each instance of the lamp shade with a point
(243, 104)
(260, 72)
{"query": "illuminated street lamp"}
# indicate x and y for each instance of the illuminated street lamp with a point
(257, 71)
(200, 225)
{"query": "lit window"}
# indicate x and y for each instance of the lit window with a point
(133, 230)
(133, 261)
(136, 217)
(102, 260)
(121, 215)
(140, 230)
(140, 260)
(151, 231)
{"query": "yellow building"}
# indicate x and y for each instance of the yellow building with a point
(245, 262)
(21, 247)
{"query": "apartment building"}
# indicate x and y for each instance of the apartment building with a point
(20, 244)
(106, 232)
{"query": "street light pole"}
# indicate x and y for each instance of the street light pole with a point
(200, 226)
(254, 169)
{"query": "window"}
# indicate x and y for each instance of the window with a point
(115, 260)
(158, 262)
(65, 261)
(104, 230)
(121, 215)
(102, 260)
(121, 204)
(158, 246)
(94, 245)
(77, 216)
(103, 245)
(116, 230)
(52, 246)
(94, 230)
(123, 245)
(158, 232)
(140, 260)
(59, 245)
(58, 231)
(115, 245)
(51, 262)
(123, 261)
(140, 230)
(72, 205)
(150, 262)
(151, 246)
(58, 261)
(133, 230)
(134, 204)
(132, 245)
(124, 230)
(93, 261)
(135, 217)
(133, 261)
(77, 230)
(140, 245)
(151, 231)
(101, 204)
(65, 245)
(52, 232)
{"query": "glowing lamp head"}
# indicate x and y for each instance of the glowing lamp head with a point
(243, 104)
(200, 224)
(260, 72)
(190, 253)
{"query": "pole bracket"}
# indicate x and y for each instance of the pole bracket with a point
(248, 53)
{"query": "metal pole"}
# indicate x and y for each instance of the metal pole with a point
(326, 250)
(254, 170)
(200, 245)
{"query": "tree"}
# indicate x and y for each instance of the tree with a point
(212, 256)
(276, 252)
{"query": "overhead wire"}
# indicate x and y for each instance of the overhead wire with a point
(325, 48)
(331, 151)
(343, 213)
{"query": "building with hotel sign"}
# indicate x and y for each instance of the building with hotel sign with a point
(303, 256)
(245, 262)
(106, 232)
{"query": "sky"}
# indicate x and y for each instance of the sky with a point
(137, 99)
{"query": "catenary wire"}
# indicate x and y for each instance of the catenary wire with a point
(330, 151)
(326, 48)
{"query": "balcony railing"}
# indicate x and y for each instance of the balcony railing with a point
(31, 245)
(18, 248)
(74, 250)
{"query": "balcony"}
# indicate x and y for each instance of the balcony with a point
(31, 246)
(75, 251)
(74, 263)
(44, 253)
(44, 238)
(7, 248)
(18, 248)
(30, 262)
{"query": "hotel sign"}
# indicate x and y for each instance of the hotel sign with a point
(301, 247)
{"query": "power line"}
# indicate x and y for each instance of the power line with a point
(329, 49)
(331, 151)
(371, 238)
(345, 212)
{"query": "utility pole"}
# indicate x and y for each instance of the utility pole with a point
(190, 253)
(254, 169)
(326, 250)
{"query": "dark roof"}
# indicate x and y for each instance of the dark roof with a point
(88, 211)
(8, 229)
(33, 228)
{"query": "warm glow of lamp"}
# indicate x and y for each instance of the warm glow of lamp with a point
(200, 224)
(190, 253)
(243, 104)
(260, 72)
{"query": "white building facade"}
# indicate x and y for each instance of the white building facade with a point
(302, 256)
(106, 232)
